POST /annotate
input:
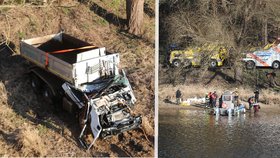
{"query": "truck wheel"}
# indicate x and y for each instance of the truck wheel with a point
(176, 63)
(276, 65)
(213, 64)
(250, 64)
(48, 95)
(36, 84)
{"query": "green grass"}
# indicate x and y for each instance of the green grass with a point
(102, 22)
(21, 35)
(18, 1)
(66, 11)
(42, 129)
(4, 10)
(115, 4)
(33, 25)
(86, 26)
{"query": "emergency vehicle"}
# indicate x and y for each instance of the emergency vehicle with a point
(193, 56)
(269, 58)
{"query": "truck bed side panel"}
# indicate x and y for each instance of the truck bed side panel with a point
(60, 68)
(38, 57)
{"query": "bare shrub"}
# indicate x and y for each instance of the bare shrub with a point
(30, 143)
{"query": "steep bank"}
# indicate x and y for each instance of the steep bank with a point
(29, 127)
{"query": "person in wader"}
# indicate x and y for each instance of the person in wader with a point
(236, 97)
(221, 101)
(210, 99)
(257, 93)
(251, 101)
(214, 99)
(178, 96)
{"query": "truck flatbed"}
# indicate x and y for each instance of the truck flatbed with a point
(69, 58)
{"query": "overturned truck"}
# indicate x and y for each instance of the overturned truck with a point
(84, 79)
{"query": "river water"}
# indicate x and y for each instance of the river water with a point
(195, 133)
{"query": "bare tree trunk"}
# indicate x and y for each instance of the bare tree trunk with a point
(215, 7)
(135, 12)
(265, 31)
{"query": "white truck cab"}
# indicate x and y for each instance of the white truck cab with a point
(264, 58)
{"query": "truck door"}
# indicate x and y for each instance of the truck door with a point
(75, 95)
(262, 58)
(95, 126)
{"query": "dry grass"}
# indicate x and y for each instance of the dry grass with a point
(29, 140)
(26, 141)
(3, 94)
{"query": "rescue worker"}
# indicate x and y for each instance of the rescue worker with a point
(210, 99)
(257, 93)
(236, 97)
(214, 99)
(221, 101)
(251, 102)
(178, 96)
(207, 99)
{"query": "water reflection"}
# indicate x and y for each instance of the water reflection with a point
(195, 133)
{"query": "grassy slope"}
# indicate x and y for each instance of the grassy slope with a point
(28, 126)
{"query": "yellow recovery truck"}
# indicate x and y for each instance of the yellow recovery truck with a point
(193, 56)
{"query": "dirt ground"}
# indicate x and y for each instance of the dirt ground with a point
(30, 127)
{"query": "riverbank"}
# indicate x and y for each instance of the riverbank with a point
(267, 97)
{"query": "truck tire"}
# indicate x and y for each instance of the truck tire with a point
(48, 95)
(276, 65)
(36, 84)
(250, 64)
(176, 63)
(213, 63)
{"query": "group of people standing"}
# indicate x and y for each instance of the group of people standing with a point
(212, 96)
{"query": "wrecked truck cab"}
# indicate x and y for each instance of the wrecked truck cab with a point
(107, 109)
